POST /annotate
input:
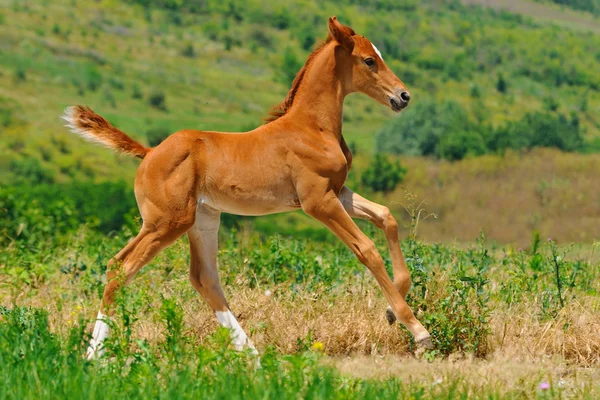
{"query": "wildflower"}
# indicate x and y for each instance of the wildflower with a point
(318, 347)
(544, 386)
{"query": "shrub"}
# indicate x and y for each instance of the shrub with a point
(157, 100)
(460, 144)
(29, 170)
(20, 74)
(383, 175)
(539, 129)
(501, 84)
(93, 78)
(157, 135)
(188, 51)
(418, 129)
(137, 93)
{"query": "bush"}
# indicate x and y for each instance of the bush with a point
(157, 135)
(93, 78)
(418, 129)
(461, 144)
(539, 129)
(445, 130)
(32, 212)
(157, 100)
(188, 51)
(383, 175)
(136, 93)
(30, 171)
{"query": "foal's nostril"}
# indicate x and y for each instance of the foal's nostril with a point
(405, 96)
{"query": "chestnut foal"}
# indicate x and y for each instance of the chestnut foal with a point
(298, 159)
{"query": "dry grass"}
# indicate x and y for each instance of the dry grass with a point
(551, 13)
(348, 320)
(507, 197)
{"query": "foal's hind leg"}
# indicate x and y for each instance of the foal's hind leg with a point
(359, 207)
(204, 276)
(152, 238)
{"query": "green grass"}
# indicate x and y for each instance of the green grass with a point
(488, 309)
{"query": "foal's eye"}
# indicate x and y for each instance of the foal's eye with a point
(370, 62)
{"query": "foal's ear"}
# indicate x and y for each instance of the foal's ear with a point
(341, 33)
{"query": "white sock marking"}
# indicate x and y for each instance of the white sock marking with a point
(238, 336)
(377, 51)
(101, 329)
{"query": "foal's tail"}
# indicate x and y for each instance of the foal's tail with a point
(91, 126)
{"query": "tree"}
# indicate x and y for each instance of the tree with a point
(383, 175)
(418, 130)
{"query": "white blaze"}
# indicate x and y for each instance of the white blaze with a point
(377, 51)
(100, 333)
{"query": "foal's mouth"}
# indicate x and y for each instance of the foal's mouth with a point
(397, 105)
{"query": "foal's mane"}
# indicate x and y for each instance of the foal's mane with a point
(281, 109)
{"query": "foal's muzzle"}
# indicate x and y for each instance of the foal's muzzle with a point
(400, 100)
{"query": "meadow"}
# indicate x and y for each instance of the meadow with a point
(496, 196)
(504, 323)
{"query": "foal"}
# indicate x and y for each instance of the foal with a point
(298, 159)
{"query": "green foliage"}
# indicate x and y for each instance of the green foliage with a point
(445, 130)
(539, 129)
(419, 129)
(592, 6)
(35, 362)
(460, 145)
(93, 78)
(156, 135)
(383, 175)
(157, 99)
(456, 311)
(501, 84)
(188, 51)
(32, 213)
(290, 65)
(30, 170)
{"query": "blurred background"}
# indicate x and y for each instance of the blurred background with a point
(502, 135)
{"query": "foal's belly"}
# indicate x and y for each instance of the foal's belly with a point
(251, 205)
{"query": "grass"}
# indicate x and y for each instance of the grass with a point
(315, 314)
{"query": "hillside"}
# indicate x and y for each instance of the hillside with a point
(222, 68)
(155, 67)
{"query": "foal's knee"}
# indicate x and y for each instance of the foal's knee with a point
(388, 222)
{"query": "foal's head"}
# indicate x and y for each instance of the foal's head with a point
(368, 73)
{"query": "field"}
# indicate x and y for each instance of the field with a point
(500, 233)
(499, 325)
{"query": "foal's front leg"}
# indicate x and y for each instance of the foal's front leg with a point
(329, 210)
(359, 207)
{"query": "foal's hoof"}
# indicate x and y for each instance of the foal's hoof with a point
(422, 346)
(389, 315)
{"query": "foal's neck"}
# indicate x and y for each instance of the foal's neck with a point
(320, 97)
